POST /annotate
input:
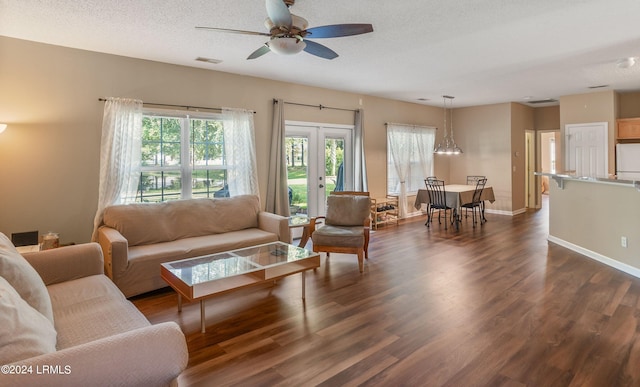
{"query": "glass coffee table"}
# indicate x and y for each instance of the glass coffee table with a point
(199, 278)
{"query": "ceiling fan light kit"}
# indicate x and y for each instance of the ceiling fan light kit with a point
(290, 35)
(286, 46)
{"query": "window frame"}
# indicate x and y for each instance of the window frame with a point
(185, 169)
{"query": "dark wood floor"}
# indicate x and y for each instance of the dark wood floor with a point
(497, 305)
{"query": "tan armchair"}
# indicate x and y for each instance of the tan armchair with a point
(346, 228)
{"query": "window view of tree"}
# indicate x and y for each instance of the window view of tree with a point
(163, 168)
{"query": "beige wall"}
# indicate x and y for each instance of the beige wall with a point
(484, 134)
(547, 118)
(49, 155)
(581, 217)
(629, 106)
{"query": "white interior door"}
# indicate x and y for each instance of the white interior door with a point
(586, 148)
(319, 160)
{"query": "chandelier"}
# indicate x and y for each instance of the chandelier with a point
(450, 147)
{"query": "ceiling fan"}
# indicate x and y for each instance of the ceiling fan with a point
(289, 33)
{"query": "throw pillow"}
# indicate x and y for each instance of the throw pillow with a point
(24, 278)
(24, 332)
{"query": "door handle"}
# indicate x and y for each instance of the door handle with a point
(321, 186)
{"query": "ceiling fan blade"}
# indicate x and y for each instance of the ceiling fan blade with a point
(259, 52)
(279, 13)
(233, 31)
(318, 49)
(337, 30)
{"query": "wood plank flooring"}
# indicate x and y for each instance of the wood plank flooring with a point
(497, 305)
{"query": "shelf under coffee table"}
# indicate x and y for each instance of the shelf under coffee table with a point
(202, 277)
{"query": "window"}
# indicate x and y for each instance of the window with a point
(183, 156)
(413, 147)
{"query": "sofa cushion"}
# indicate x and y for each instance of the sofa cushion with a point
(90, 308)
(24, 278)
(347, 210)
(143, 270)
(24, 331)
(149, 223)
(329, 235)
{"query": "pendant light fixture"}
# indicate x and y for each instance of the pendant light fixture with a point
(450, 147)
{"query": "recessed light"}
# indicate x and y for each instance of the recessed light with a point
(208, 60)
(527, 97)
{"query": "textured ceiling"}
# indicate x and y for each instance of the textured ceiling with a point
(481, 52)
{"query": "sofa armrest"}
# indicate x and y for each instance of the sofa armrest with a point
(115, 249)
(149, 356)
(276, 224)
(67, 263)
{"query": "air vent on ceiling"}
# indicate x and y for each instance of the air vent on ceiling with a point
(208, 60)
(598, 86)
(548, 100)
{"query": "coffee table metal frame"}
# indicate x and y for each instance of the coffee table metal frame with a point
(199, 278)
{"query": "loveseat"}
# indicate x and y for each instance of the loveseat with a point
(137, 238)
(64, 323)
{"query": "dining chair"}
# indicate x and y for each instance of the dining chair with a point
(438, 201)
(473, 180)
(476, 203)
(429, 178)
(346, 227)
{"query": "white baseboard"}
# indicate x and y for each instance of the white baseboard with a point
(634, 271)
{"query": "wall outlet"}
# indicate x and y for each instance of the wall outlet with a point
(623, 241)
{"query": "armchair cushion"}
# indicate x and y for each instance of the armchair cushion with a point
(25, 332)
(329, 235)
(347, 210)
(24, 278)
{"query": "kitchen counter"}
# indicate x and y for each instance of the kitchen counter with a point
(598, 217)
(560, 178)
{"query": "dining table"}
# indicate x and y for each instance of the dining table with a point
(457, 195)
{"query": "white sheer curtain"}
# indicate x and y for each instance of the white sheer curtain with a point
(240, 151)
(120, 153)
(410, 145)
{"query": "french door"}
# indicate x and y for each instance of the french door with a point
(319, 160)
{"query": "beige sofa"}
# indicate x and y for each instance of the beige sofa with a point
(64, 323)
(137, 238)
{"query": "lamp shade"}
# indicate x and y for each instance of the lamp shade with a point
(286, 46)
(3, 127)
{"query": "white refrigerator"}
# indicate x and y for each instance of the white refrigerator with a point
(628, 161)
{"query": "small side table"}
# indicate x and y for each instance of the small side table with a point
(304, 222)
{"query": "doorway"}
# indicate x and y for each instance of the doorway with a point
(319, 160)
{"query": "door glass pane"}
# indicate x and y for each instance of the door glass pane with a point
(334, 164)
(297, 173)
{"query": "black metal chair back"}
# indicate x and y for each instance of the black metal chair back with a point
(437, 194)
(473, 179)
(477, 194)
(429, 178)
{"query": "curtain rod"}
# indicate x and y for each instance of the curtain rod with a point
(413, 126)
(315, 106)
(178, 106)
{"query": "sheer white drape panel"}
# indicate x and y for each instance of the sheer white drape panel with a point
(360, 167)
(240, 152)
(277, 191)
(409, 146)
(120, 153)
